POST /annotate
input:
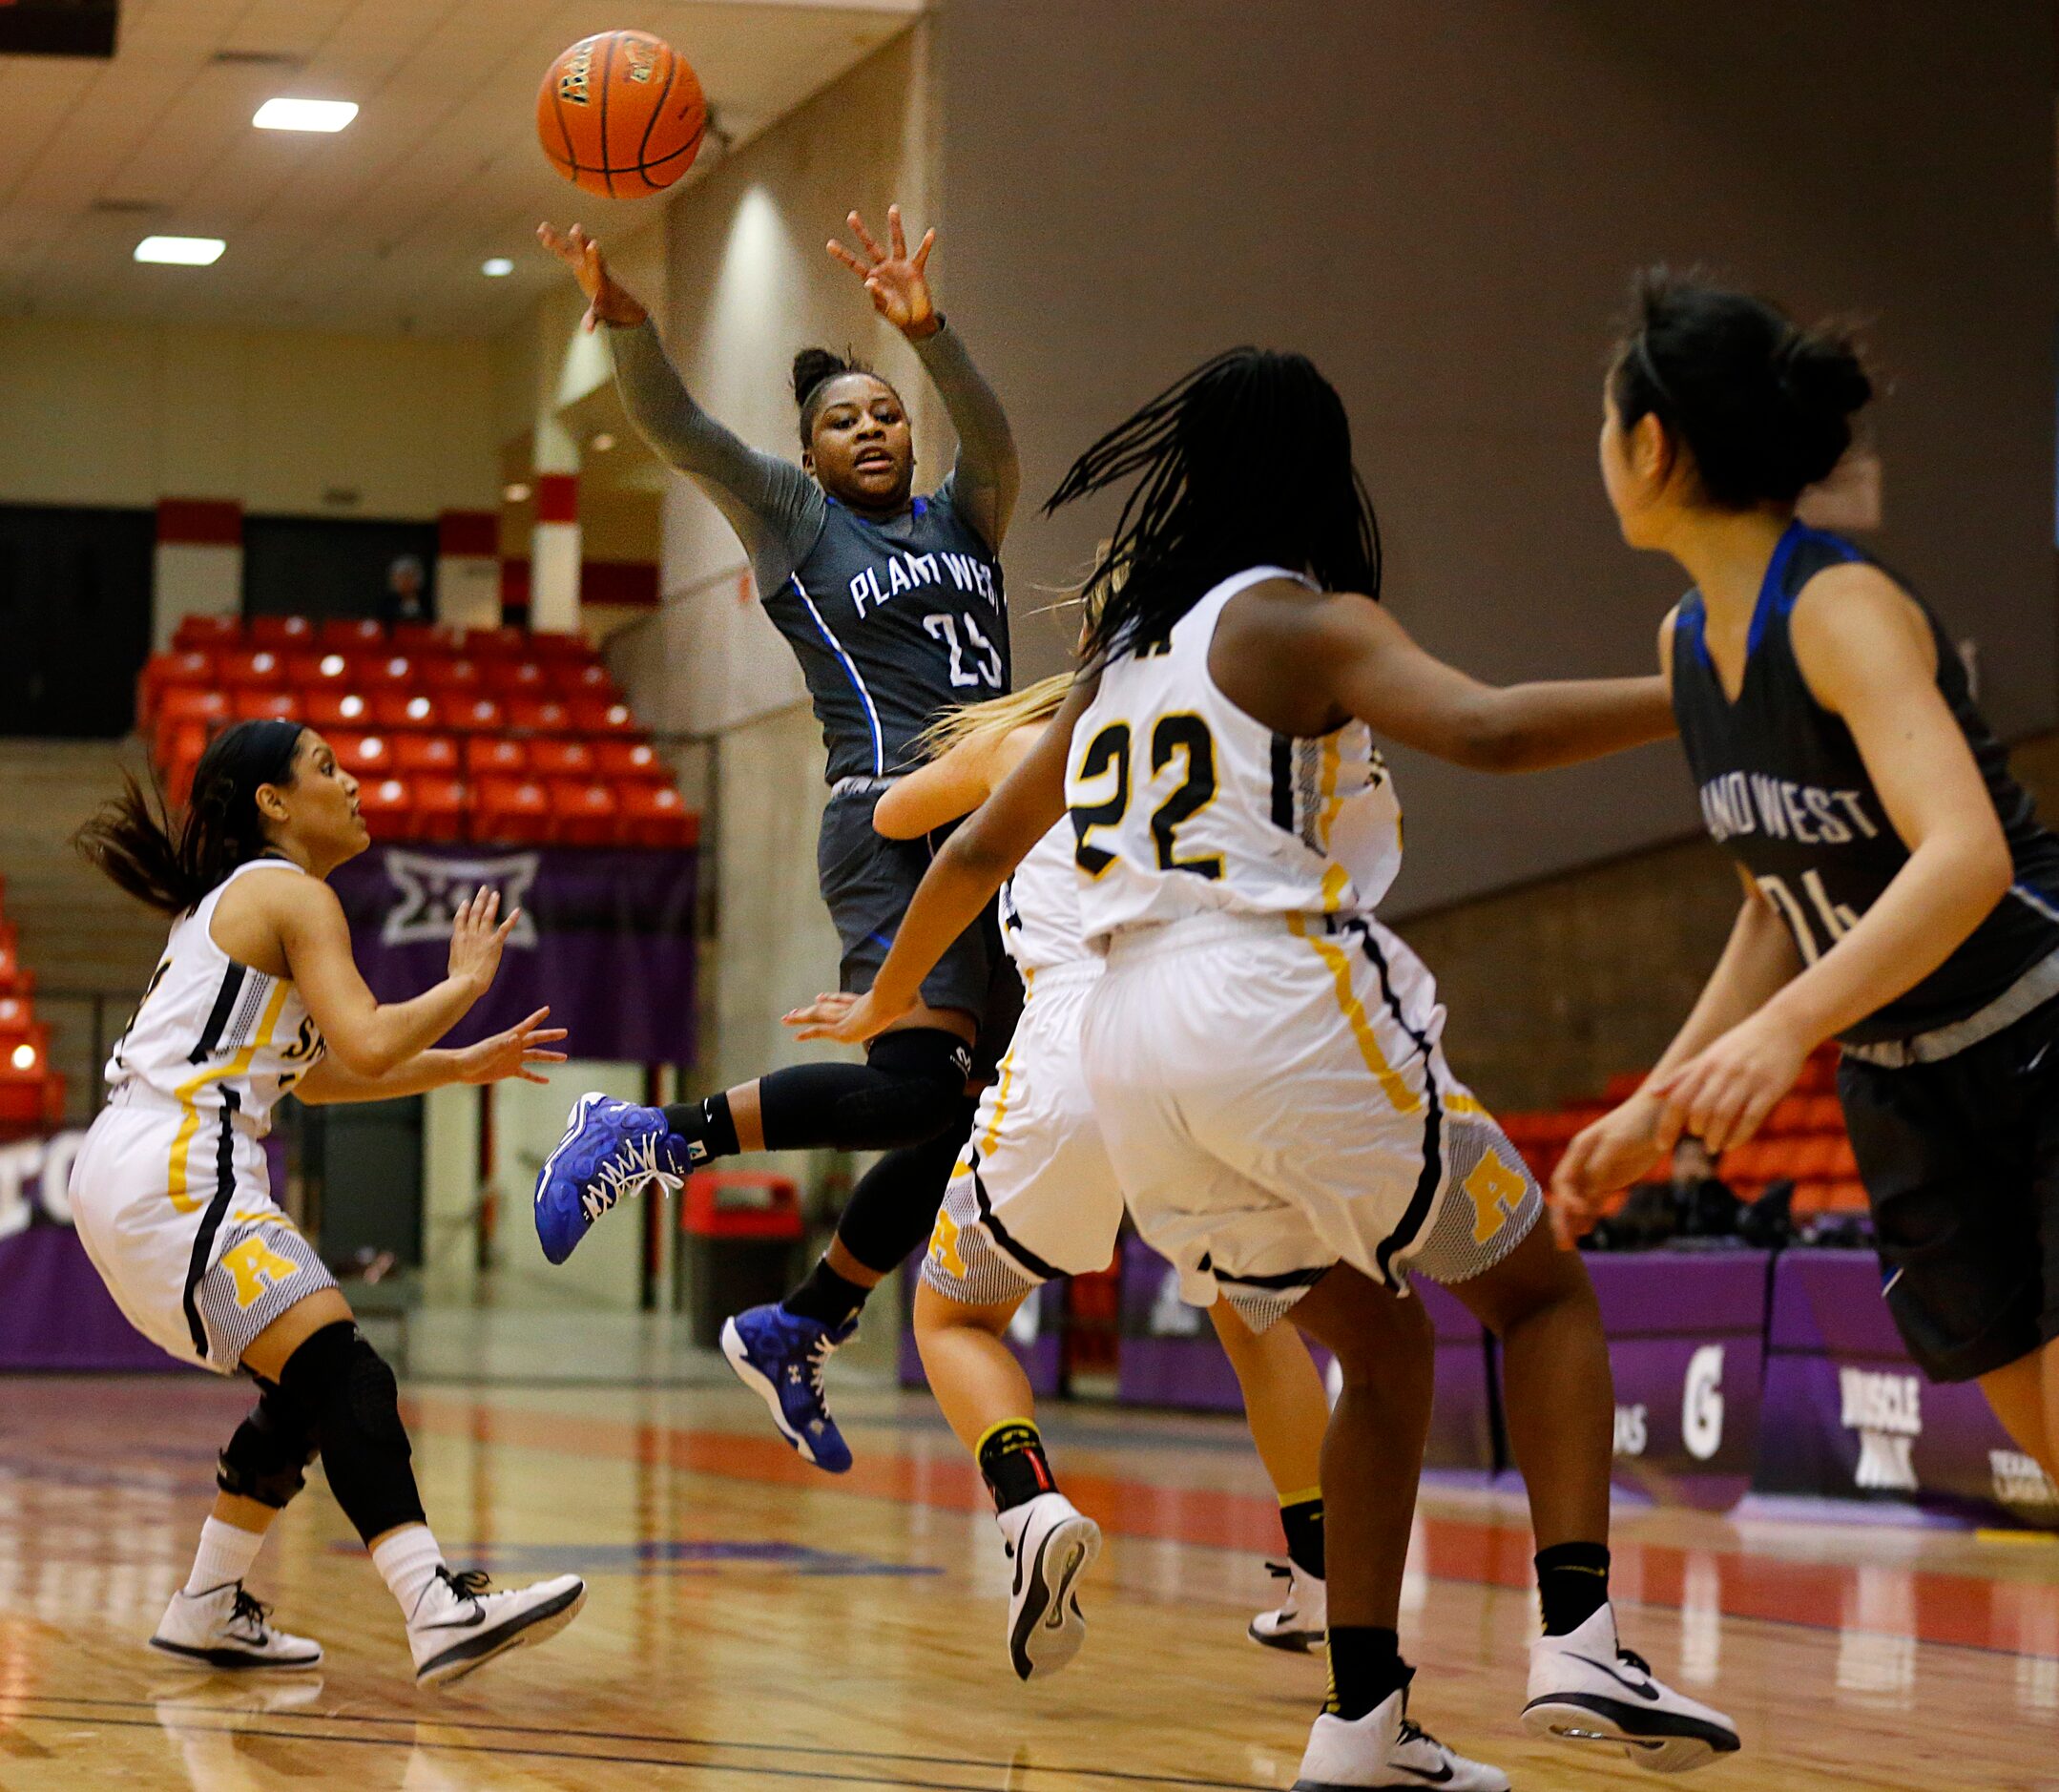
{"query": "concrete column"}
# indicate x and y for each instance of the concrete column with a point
(554, 570)
(199, 563)
(467, 569)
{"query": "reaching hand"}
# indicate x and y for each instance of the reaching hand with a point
(1724, 1092)
(1607, 1155)
(608, 302)
(511, 1053)
(851, 1019)
(899, 289)
(475, 942)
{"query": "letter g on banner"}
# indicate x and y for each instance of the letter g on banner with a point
(1701, 1404)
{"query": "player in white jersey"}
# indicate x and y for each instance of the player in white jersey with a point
(1034, 1197)
(1265, 1058)
(256, 994)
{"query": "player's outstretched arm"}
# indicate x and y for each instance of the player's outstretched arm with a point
(512, 1054)
(368, 1037)
(952, 786)
(988, 476)
(961, 880)
(1400, 691)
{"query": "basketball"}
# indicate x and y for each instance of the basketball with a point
(620, 114)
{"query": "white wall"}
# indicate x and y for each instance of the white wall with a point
(127, 413)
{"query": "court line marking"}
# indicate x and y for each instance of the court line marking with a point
(1118, 1775)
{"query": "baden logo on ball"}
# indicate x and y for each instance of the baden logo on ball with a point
(620, 114)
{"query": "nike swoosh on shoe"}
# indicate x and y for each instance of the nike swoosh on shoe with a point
(477, 1619)
(1645, 1691)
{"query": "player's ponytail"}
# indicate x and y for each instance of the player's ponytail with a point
(813, 369)
(1764, 406)
(171, 862)
(1246, 462)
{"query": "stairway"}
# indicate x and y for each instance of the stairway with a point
(92, 947)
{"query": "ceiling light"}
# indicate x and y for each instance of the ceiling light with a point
(181, 251)
(600, 444)
(516, 493)
(305, 114)
(496, 267)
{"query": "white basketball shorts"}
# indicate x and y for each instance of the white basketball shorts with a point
(174, 1208)
(1033, 1195)
(1274, 1101)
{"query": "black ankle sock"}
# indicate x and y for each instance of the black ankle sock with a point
(1572, 1584)
(827, 1298)
(1302, 1520)
(704, 1130)
(1012, 1463)
(1365, 1668)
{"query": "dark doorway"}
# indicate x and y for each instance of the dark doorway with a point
(319, 566)
(75, 616)
(362, 1164)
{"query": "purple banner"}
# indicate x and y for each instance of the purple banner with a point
(55, 1313)
(606, 939)
(1686, 1347)
(1849, 1415)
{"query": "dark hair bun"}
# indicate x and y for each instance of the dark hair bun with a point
(1765, 408)
(811, 367)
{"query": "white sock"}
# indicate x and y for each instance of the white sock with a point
(407, 1561)
(226, 1553)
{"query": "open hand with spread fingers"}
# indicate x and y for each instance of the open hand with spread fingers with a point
(607, 299)
(895, 279)
(512, 1052)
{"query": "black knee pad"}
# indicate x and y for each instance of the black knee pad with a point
(894, 1206)
(267, 1459)
(919, 1081)
(354, 1402)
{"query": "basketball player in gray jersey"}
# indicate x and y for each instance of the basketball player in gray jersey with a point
(893, 604)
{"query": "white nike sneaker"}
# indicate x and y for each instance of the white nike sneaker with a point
(1052, 1543)
(1386, 1748)
(1300, 1620)
(1585, 1688)
(458, 1625)
(226, 1628)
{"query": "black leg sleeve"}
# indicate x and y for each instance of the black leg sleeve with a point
(354, 1402)
(892, 1209)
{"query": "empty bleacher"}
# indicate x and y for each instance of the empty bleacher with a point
(497, 736)
(31, 1092)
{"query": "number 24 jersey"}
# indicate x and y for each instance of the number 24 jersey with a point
(1183, 804)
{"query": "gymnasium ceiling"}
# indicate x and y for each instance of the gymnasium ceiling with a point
(384, 226)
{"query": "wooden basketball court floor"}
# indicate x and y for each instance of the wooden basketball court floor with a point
(753, 1623)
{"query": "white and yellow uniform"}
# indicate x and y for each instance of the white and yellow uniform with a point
(1263, 1055)
(170, 1192)
(1034, 1196)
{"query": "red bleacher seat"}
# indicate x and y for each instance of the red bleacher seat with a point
(592, 715)
(328, 665)
(266, 705)
(15, 978)
(162, 671)
(516, 810)
(656, 815)
(406, 709)
(15, 1015)
(363, 754)
(242, 667)
(389, 807)
(450, 671)
(192, 703)
(562, 758)
(586, 678)
(391, 671)
(549, 644)
(427, 638)
(328, 707)
(583, 812)
(536, 715)
(208, 631)
(507, 641)
(440, 806)
(353, 632)
(517, 677)
(279, 632)
(630, 760)
(480, 715)
(426, 753)
(495, 755)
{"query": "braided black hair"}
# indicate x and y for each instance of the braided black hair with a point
(1244, 462)
(813, 370)
(1764, 406)
(172, 863)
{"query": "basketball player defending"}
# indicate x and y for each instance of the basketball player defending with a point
(1901, 895)
(1234, 826)
(893, 605)
(1033, 1196)
(257, 995)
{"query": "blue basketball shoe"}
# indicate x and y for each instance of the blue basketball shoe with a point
(610, 1149)
(781, 1356)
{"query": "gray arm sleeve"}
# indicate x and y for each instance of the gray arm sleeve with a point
(775, 508)
(984, 482)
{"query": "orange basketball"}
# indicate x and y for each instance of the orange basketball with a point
(621, 113)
